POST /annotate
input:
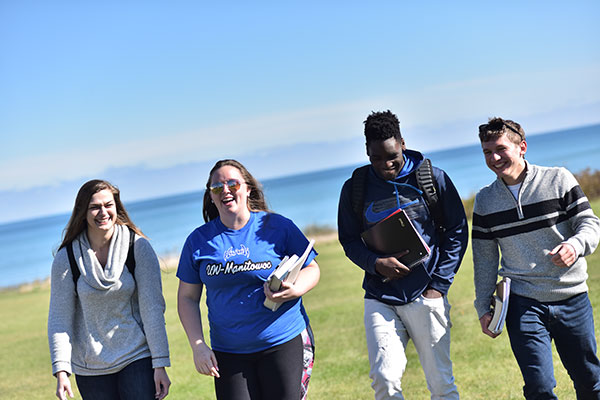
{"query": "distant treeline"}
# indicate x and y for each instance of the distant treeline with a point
(588, 180)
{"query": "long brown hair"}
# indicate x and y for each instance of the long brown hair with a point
(78, 222)
(256, 200)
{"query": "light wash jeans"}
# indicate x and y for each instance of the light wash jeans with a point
(388, 330)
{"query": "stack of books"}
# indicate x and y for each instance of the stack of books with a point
(500, 306)
(287, 271)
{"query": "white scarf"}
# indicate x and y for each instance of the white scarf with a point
(98, 277)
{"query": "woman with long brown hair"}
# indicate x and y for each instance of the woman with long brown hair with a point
(255, 353)
(106, 320)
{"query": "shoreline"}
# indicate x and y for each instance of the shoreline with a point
(168, 263)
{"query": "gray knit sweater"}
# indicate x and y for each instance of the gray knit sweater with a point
(112, 320)
(519, 235)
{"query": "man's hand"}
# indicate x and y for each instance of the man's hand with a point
(430, 293)
(485, 322)
(563, 255)
(391, 268)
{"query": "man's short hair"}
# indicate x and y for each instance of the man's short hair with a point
(497, 127)
(382, 125)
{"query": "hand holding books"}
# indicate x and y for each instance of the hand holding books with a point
(500, 306)
(287, 271)
(395, 237)
(391, 267)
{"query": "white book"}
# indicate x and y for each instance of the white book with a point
(281, 272)
(500, 305)
(287, 271)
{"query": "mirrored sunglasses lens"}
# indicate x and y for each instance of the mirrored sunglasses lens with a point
(233, 185)
(217, 188)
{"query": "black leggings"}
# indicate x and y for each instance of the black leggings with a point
(271, 374)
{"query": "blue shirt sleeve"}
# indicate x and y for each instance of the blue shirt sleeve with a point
(187, 270)
(296, 242)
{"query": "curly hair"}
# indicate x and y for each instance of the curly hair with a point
(382, 125)
(256, 200)
(496, 127)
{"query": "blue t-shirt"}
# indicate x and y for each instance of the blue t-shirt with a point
(233, 265)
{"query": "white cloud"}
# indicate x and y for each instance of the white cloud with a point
(432, 117)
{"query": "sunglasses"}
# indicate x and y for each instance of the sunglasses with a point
(232, 184)
(498, 125)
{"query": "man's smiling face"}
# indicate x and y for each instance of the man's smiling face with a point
(505, 158)
(386, 157)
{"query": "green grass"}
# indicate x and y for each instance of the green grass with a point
(484, 368)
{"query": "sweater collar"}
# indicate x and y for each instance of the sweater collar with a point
(530, 170)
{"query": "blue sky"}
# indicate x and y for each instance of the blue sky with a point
(94, 89)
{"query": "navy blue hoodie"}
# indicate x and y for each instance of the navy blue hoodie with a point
(382, 198)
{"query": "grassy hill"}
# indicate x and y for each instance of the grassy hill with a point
(484, 368)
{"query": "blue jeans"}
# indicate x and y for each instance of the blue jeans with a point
(134, 382)
(532, 326)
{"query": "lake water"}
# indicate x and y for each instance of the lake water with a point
(27, 246)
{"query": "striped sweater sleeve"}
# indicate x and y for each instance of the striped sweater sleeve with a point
(486, 257)
(585, 224)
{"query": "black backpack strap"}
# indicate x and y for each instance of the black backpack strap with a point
(74, 268)
(359, 183)
(428, 185)
(130, 261)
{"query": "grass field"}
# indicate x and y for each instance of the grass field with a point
(484, 368)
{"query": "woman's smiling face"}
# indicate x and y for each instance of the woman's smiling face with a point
(233, 202)
(102, 212)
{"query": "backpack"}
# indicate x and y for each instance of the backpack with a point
(129, 262)
(425, 180)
